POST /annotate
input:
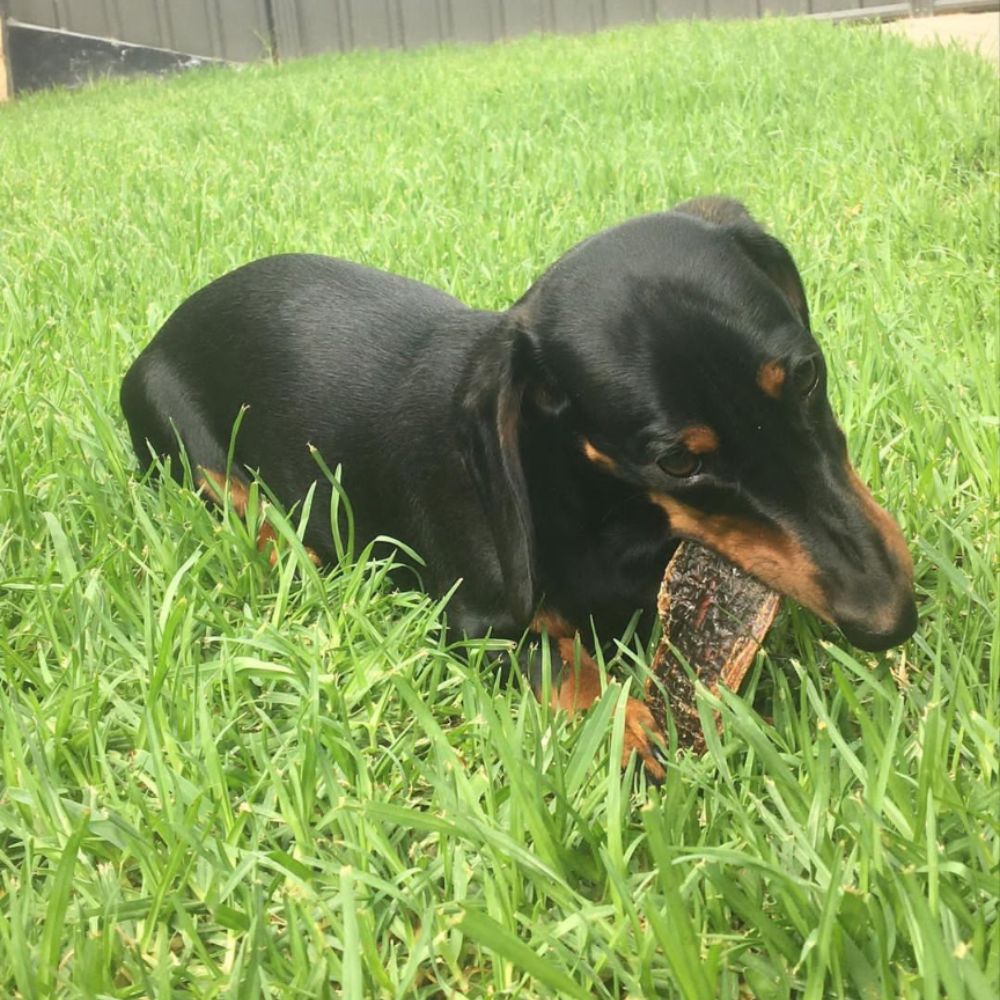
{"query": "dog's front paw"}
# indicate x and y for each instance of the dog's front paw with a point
(644, 736)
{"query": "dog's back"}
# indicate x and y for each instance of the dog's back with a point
(318, 353)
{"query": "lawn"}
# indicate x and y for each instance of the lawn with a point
(219, 779)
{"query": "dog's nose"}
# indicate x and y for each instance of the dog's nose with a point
(862, 634)
(870, 577)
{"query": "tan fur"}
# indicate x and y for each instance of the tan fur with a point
(884, 522)
(700, 439)
(771, 377)
(886, 526)
(580, 687)
(768, 553)
(214, 485)
(598, 457)
(554, 624)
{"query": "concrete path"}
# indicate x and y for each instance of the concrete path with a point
(979, 32)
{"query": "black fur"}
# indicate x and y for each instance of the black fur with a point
(464, 434)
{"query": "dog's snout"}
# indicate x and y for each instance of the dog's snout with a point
(874, 607)
(886, 632)
(870, 593)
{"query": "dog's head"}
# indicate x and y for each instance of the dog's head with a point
(676, 351)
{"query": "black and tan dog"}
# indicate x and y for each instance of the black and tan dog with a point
(659, 381)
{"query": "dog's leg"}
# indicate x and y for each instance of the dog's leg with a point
(578, 686)
(214, 486)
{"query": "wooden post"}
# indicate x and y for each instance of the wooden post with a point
(6, 91)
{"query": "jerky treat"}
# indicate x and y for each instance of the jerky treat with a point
(714, 618)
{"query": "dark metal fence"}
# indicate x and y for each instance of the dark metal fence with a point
(67, 41)
(242, 30)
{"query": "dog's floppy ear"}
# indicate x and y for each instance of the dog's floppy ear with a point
(769, 254)
(488, 405)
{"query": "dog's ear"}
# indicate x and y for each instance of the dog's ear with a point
(488, 405)
(769, 254)
(717, 210)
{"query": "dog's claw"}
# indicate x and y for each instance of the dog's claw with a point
(644, 737)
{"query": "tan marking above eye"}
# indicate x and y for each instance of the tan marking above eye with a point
(768, 553)
(700, 439)
(771, 377)
(606, 462)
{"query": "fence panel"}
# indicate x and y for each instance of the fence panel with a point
(422, 22)
(239, 29)
(830, 6)
(243, 30)
(191, 27)
(371, 24)
(310, 28)
(628, 12)
(732, 8)
(475, 21)
(784, 7)
(670, 10)
(34, 12)
(88, 17)
(571, 16)
(142, 22)
(520, 17)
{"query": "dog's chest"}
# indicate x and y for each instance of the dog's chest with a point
(602, 563)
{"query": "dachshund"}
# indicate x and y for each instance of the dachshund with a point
(660, 381)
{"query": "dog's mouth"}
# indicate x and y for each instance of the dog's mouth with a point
(855, 572)
(903, 625)
(871, 599)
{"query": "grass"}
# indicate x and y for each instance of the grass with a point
(221, 780)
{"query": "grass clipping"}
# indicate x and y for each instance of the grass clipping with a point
(714, 619)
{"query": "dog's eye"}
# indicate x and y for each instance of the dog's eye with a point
(680, 463)
(806, 377)
(550, 400)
